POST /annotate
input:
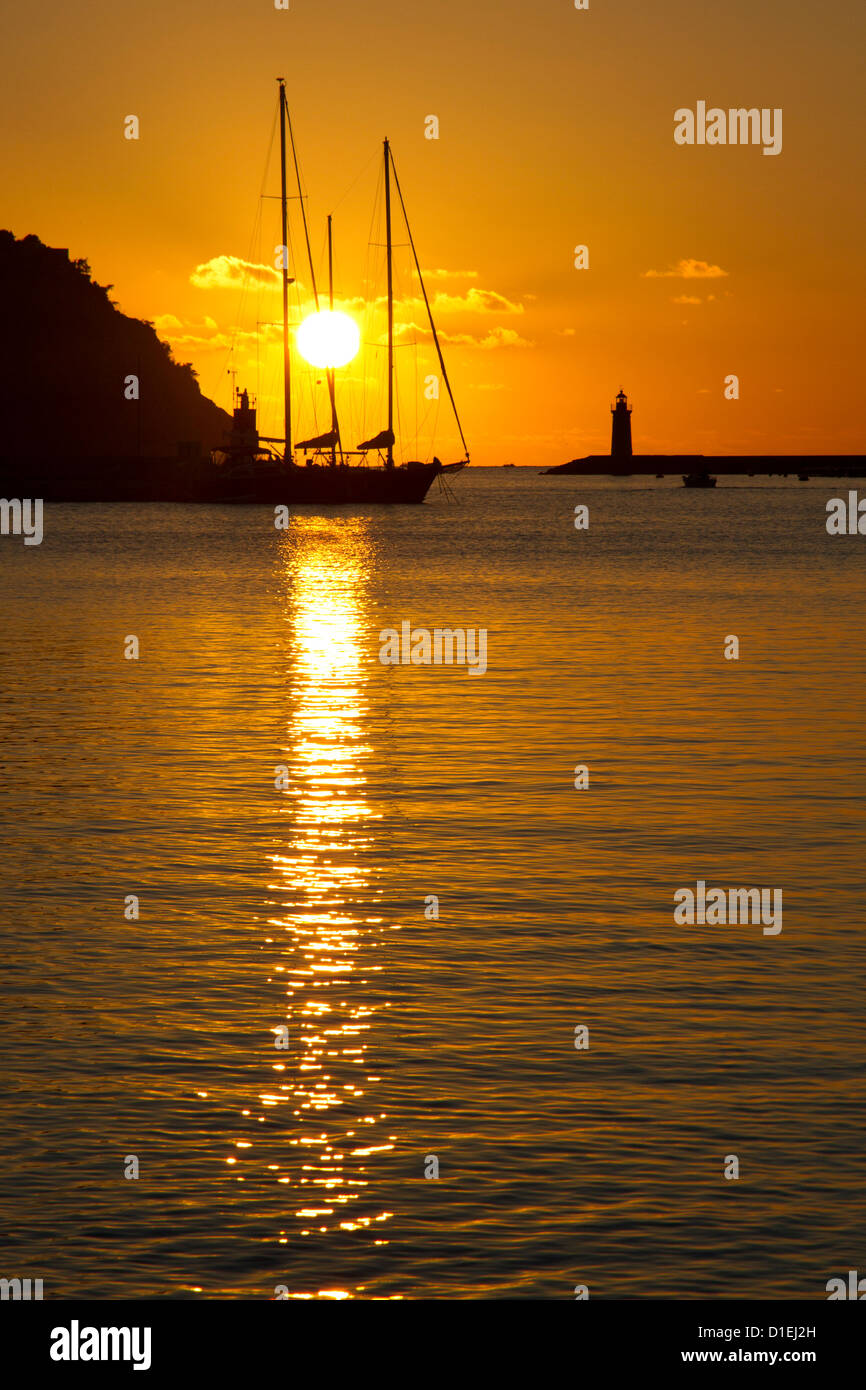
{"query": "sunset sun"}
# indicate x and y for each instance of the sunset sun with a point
(328, 339)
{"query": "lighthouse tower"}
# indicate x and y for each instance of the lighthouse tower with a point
(620, 433)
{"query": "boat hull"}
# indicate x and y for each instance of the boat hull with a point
(167, 480)
(325, 485)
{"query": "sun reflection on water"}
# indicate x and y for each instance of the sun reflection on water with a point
(325, 885)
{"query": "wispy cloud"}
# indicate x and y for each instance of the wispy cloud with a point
(207, 336)
(687, 270)
(476, 301)
(686, 299)
(231, 272)
(493, 338)
(450, 274)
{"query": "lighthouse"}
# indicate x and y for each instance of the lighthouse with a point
(620, 432)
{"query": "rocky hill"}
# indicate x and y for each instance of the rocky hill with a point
(65, 353)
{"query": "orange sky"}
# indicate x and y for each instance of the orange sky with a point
(556, 128)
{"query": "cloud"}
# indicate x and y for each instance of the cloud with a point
(686, 299)
(450, 274)
(222, 272)
(494, 338)
(231, 272)
(166, 324)
(687, 270)
(355, 304)
(207, 336)
(475, 302)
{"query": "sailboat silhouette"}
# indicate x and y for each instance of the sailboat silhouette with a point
(246, 472)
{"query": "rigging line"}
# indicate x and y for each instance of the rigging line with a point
(416, 398)
(399, 431)
(357, 178)
(264, 178)
(369, 282)
(323, 247)
(257, 223)
(302, 201)
(433, 409)
(258, 312)
(427, 303)
(255, 249)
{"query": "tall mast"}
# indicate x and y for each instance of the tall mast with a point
(335, 429)
(390, 458)
(287, 387)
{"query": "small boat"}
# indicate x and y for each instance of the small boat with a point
(699, 480)
(803, 477)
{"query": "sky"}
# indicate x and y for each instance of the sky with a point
(556, 129)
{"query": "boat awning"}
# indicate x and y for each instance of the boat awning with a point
(383, 440)
(321, 441)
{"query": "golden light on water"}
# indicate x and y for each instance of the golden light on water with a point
(325, 882)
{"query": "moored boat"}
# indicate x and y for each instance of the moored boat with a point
(246, 470)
